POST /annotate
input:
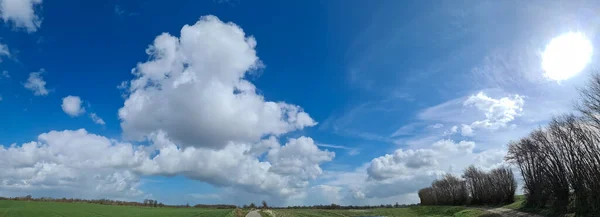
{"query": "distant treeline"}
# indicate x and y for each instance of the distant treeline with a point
(560, 163)
(476, 187)
(336, 206)
(146, 202)
(330, 206)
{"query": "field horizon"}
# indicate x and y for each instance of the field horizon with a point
(20, 208)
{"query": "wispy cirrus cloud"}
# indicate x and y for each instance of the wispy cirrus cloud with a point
(350, 150)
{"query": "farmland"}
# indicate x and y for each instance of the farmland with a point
(10, 208)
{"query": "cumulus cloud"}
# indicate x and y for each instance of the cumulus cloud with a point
(21, 13)
(400, 162)
(286, 172)
(193, 89)
(498, 112)
(478, 114)
(73, 161)
(288, 160)
(71, 105)
(97, 119)
(36, 83)
(466, 130)
(403, 162)
(202, 120)
(399, 175)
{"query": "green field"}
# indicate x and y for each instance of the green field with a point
(52, 209)
(429, 211)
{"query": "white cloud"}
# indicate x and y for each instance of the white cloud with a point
(97, 119)
(4, 52)
(405, 162)
(466, 130)
(286, 173)
(351, 151)
(193, 89)
(498, 112)
(74, 162)
(398, 176)
(299, 157)
(451, 131)
(71, 105)
(5, 74)
(408, 129)
(435, 126)
(447, 112)
(203, 120)
(36, 83)
(77, 161)
(479, 111)
(21, 13)
(392, 165)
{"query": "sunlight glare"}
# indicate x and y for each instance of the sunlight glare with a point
(566, 55)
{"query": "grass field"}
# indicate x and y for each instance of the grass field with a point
(52, 209)
(429, 211)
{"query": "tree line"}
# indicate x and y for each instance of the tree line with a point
(475, 187)
(329, 206)
(337, 206)
(560, 162)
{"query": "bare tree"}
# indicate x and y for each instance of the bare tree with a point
(450, 190)
(427, 196)
(496, 187)
(586, 183)
(523, 153)
(561, 163)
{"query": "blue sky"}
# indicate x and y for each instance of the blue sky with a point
(299, 102)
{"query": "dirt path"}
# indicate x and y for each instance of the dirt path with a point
(510, 212)
(253, 214)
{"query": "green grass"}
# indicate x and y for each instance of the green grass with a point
(427, 211)
(518, 204)
(474, 213)
(52, 209)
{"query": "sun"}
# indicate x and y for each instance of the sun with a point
(566, 55)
